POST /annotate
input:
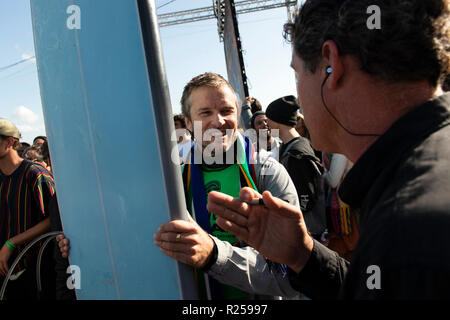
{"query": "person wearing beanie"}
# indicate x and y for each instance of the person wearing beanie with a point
(283, 110)
(25, 191)
(297, 156)
(264, 138)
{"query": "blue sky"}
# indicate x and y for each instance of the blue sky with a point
(189, 49)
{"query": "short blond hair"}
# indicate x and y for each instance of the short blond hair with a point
(207, 79)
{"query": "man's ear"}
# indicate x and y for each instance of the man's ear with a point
(189, 125)
(331, 58)
(11, 142)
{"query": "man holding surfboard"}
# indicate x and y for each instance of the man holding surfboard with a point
(222, 159)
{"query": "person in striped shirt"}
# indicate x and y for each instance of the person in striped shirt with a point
(25, 191)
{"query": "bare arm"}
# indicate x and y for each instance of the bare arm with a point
(246, 113)
(32, 233)
(20, 239)
(337, 168)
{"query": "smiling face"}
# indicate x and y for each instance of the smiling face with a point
(260, 122)
(214, 110)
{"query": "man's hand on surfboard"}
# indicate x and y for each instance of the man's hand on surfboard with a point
(185, 241)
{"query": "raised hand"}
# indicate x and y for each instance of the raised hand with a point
(277, 229)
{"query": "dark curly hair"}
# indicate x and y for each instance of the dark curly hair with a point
(412, 44)
(181, 119)
(256, 106)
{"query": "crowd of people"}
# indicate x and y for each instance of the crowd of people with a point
(310, 195)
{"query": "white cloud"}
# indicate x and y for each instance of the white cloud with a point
(24, 129)
(29, 123)
(23, 114)
(29, 132)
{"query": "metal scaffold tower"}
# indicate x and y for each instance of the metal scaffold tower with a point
(217, 10)
(225, 11)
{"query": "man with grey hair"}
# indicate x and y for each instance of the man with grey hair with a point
(375, 96)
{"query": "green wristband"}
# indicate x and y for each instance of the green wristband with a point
(10, 245)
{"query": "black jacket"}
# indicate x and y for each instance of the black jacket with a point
(305, 170)
(401, 188)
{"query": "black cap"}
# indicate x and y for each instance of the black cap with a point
(283, 110)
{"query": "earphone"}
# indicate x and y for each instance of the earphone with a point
(329, 70)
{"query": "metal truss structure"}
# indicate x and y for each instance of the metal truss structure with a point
(225, 11)
(217, 11)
